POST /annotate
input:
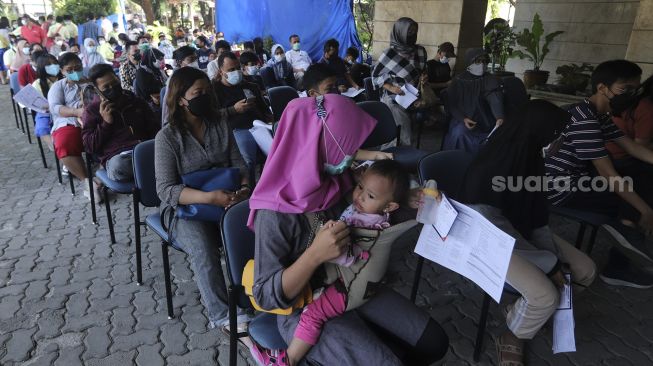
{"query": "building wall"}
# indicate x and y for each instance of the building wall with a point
(595, 30)
(640, 47)
(439, 21)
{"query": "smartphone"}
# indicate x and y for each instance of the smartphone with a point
(250, 100)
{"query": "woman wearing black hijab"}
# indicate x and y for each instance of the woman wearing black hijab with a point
(150, 76)
(515, 152)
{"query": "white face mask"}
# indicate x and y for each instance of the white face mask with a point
(194, 65)
(25, 50)
(279, 58)
(444, 60)
(59, 43)
(476, 69)
(181, 44)
(102, 41)
(252, 70)
(23, 22)
(234, 77)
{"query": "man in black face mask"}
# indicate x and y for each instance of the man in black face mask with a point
(337, 65)
(114, 122)
(628, 201)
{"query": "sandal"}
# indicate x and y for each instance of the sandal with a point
(269, 357)
(242, 335)
(510, 349)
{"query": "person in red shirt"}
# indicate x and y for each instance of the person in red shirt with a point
(27, 72)
(32, 31)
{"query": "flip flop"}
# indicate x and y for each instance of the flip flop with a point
(508, 348)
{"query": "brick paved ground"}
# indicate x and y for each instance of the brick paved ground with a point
(68, 297)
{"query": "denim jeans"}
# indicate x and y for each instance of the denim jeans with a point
(200, 240)
(249, 151)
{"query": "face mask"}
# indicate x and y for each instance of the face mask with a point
(476, 69)
(181, 44)
(137, 56)
(220, 38)
(52, 70)
(444, 60)
(25, 50)
(162, 64)
(622, 102)
(234, 77)
(59, 43)
(279, 58)
(102, 41)
(194, 65)
(350, 61)
(112, 93)
(163, 42)
(144, 46)
(200, 106)
(68, 22)
(23, 22)
(91, 49)
(252, 70)
(295, 46)
(74, 76)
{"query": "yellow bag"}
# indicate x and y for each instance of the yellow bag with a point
(248, 283)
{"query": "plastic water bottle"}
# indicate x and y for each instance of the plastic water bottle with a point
(428, 210)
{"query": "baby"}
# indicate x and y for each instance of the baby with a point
(380, 191)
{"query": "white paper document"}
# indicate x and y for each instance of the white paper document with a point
(410, 95)
(352, 92)
(563, 321)
(262, 133)
(32, 99)
(474, 248)
(302, 94)
(441, 215)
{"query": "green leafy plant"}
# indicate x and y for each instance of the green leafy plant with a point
(576, 76)
(530, 41)
(499, 42)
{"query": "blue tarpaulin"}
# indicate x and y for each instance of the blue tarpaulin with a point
(315, 21)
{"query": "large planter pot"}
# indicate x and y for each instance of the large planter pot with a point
(535, 77)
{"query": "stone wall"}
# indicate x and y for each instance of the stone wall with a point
(439, 21)
(595, 31)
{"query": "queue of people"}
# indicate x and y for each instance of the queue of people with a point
(299, 208)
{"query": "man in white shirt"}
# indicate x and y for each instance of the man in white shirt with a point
(298, 59)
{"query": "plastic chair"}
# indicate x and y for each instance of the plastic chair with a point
(22, 110)
(109, 185)
(13, 103)
(386, 131)
(280, 96)
(145, 194)
(371, 93)
(269, 80)
(238, 243)
(584, 219)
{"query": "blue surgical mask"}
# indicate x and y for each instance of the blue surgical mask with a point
(52, 70)
(234, 77)
(444, 60)
(74, 76)
(345, 164)
(91, 49)
(252, 70)
(296, 46)
(476, 69)
(347, 159)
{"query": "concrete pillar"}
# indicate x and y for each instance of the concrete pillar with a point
(639, 45)
(457, 21)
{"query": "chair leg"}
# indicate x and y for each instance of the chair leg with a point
(91, 191)
(233, 327)
(29, 135)
(72, 183)
(137, 238)
(38, 141)
(107, 205)
(480, 332)
(418, 276)
(56, 163)
(20, 116)
(166, 274)
(590, 245)
(580, 236)
(13, 105)
(420, 128)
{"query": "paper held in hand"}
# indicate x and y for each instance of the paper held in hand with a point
(352, 92)
(474, 248)
(262, 133)
(411, 94)
(29, 97)
(564, 339)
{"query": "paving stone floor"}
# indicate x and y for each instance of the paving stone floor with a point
(68, 297)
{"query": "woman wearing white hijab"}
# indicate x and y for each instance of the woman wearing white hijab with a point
(90, 56)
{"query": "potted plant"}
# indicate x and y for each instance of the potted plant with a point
(574, 77)
(499, 42)
(530, 41)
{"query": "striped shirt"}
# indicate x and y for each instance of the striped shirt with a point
(583, 140)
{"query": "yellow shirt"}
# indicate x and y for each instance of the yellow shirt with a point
(69, 31)
(54, 29)
(106, 51)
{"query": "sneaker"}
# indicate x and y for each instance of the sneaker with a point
(269, 357)
(628, 276)
(630, 239)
